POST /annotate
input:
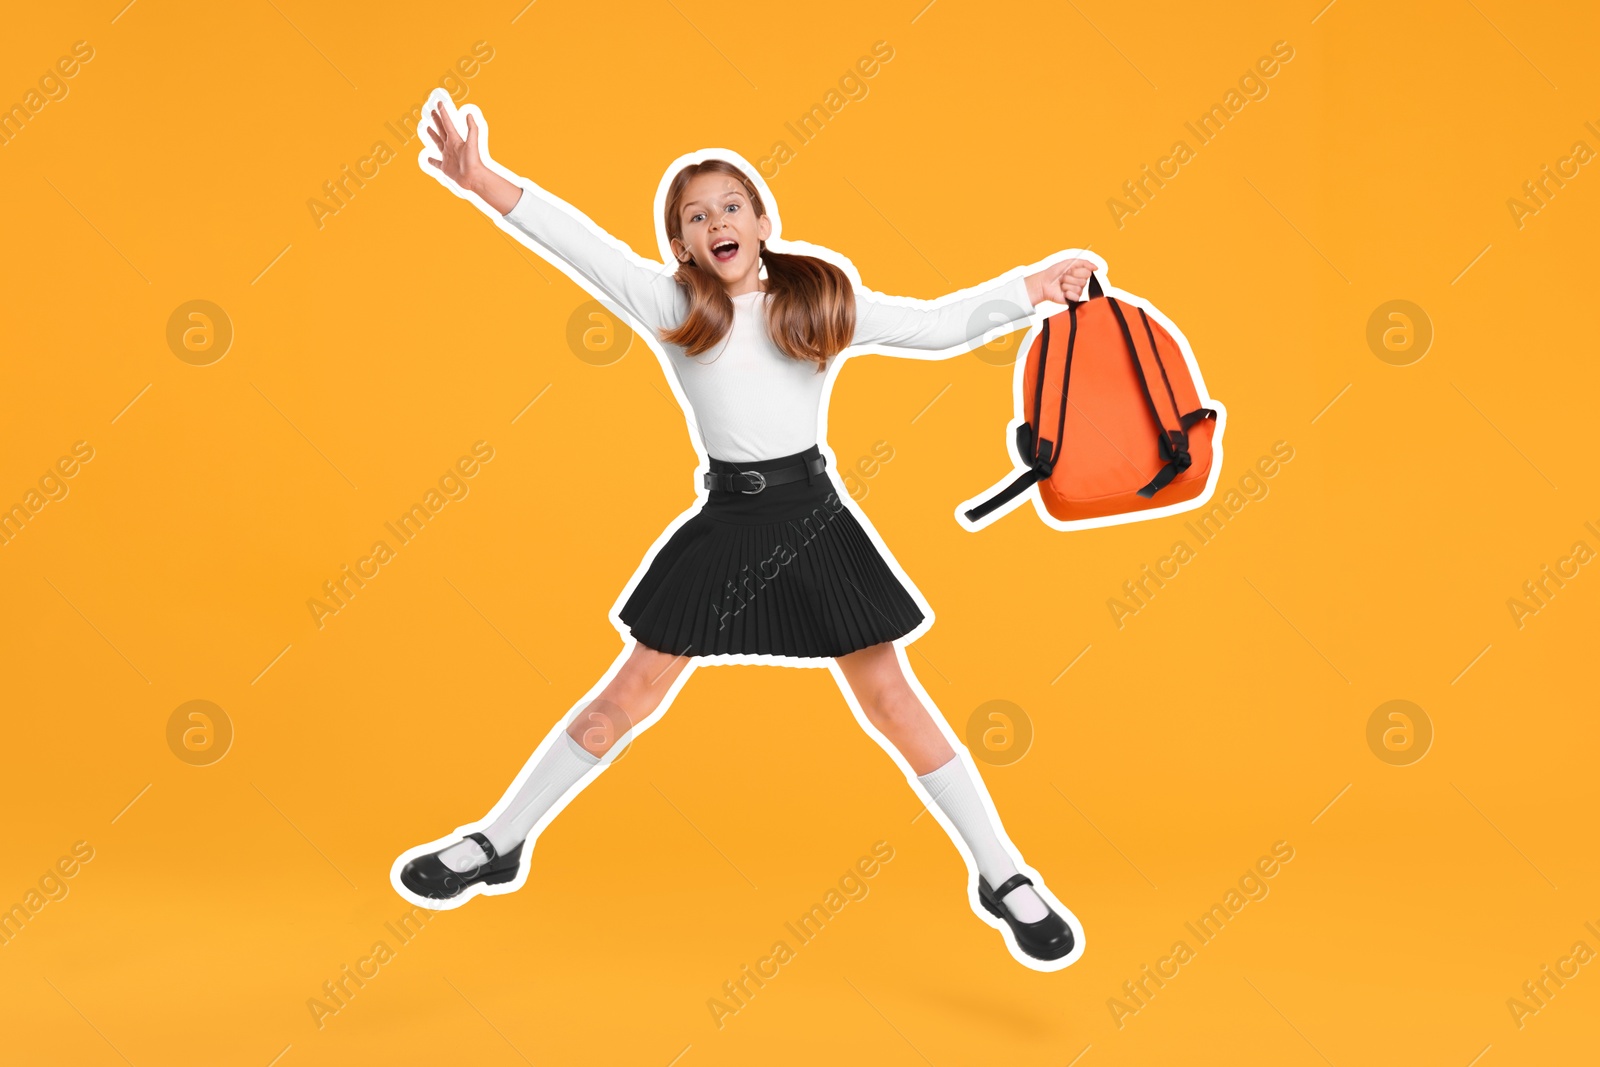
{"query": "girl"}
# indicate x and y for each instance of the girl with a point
(774, 565)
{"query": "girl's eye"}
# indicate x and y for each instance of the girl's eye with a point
(695, 218)
(733, 207)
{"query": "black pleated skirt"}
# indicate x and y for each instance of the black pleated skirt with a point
(787, 571)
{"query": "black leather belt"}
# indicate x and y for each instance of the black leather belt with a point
(755, 481)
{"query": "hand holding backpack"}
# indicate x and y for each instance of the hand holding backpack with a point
(1112, 419)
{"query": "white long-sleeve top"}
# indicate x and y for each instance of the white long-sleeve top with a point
(749, 400)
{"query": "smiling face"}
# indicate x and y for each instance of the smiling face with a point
(721, 231)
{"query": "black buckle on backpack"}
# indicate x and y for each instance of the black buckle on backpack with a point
(1043, 461)
(1174, 448)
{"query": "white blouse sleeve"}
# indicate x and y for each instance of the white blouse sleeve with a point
(642, 287)
(949, 329)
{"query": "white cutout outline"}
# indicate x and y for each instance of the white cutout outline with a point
(457, 117)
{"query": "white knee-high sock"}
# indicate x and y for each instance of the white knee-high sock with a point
(558, 770)
(956, 793)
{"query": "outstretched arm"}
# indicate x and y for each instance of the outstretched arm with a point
(643, 288)
(959, 325)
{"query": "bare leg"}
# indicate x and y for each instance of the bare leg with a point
(894, 708)
(633, 693)
(878, 680)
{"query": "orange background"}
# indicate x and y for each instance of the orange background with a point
(368, 354)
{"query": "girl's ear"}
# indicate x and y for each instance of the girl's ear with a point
(764, 228)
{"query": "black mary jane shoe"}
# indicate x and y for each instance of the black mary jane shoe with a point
(427, 876)
(1048, 939)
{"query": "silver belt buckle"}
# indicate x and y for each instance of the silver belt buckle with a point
(761, 482)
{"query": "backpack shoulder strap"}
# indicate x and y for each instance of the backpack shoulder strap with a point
(1038, 452)
(1172, 430)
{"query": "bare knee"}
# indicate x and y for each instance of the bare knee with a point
(879, 684)
(644, 679)
(630, 697)
(891, 704)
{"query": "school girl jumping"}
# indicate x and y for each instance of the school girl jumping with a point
(774, 564)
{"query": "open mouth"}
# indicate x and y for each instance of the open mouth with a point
(725, 250)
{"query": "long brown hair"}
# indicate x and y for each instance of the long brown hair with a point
(811, 305)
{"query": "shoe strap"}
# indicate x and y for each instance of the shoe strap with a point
(488, 848)
(1011, 883)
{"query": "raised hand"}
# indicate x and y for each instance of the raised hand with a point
(1060, 282)
(462, 161)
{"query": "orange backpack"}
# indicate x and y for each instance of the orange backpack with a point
(1112, 422)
